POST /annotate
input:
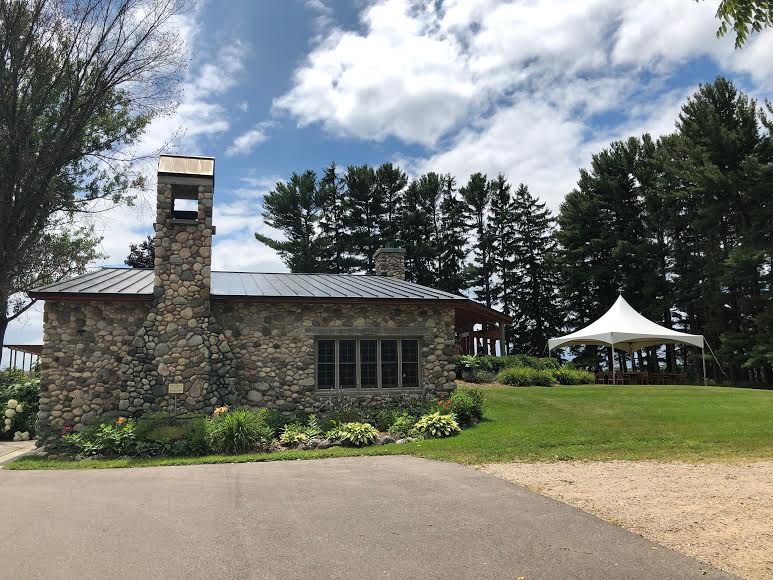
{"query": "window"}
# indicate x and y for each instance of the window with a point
(326, 364)
(410, 363)
(368, 363)
(347, 364)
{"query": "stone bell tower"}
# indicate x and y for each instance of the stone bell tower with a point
(180, 343)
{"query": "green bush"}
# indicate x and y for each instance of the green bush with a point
(467, 406)
(353, 433)
(567, 376)
(12, 377)
(293, 434)
(194, 441)
(239, 431)
(436, 425)
(380, 416)
(106, 439)
(525, 376)
(18, 404)
(476, 369)
(402, 425)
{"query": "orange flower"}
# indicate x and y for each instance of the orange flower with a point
(220, 410)
(120, 421)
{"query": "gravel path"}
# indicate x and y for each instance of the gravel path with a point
(718, 513)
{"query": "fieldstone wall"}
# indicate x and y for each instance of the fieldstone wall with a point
(180, 341)
(83, 346)
(274, 348)
(271, 348)
(390, 262)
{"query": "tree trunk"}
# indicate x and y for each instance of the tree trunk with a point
(3, 325)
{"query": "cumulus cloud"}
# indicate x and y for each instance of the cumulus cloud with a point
(524, 88)
(246, 142)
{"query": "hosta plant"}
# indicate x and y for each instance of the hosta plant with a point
(293, 434)
(357, 434)
(436, 425)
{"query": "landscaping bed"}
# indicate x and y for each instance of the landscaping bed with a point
(248, 430)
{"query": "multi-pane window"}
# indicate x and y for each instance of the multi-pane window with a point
(367, 363)
(326, 364)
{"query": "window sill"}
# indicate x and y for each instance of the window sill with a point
(330, 393)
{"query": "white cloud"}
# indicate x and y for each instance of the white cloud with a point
(246, 142)
(523, 87)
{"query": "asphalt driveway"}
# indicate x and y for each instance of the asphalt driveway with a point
(385, 517)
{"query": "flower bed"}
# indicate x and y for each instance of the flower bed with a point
(248, 430)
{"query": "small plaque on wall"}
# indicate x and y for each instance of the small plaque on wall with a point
(176, 389)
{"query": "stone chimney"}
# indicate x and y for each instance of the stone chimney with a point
(180, 349)
(390, 262)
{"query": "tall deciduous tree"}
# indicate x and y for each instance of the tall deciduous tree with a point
(744, 17)
(79, 82)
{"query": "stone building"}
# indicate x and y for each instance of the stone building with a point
(121, 341)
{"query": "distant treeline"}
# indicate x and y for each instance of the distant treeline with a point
(681, 225)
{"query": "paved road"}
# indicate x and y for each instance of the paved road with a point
(379, 517)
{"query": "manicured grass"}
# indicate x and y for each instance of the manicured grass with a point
(590, 422)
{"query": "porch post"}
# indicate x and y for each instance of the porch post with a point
(502, 340)
(703, 360)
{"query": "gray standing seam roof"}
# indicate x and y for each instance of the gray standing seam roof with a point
(138, 283)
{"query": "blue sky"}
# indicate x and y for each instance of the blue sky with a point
(527, 88)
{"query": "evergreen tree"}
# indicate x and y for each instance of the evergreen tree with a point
(452, 241)
(390, 186)
(142, 255)
(536, 306)
(363, 214)
(333, 237)
(292, 207)
(721, 164)
(501, 231)
(476, 197)
(420, 227)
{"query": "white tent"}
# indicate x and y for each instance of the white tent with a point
(623, 328)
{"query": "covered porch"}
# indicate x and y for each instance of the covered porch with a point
(480, 330)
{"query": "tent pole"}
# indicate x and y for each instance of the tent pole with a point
(613, 362)
(703, 360)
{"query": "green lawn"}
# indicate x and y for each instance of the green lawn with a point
(596, 422)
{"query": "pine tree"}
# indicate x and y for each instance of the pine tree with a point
(501, 231)
(333, 238)
(476, 197)
(292, 207)
(535, 308)
(452, 241)
(390, 186)
(420, 226)
(142, 255)
(363, 214)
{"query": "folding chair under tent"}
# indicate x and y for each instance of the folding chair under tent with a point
(623, 328)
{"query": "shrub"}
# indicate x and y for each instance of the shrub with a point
(467, 406)
(18, 404)
(293, 434)
(567, 376)
(402, 425)
(194, 441)
(436, 425)
(106, 439)
(379, 415)
(525, 376)
(481, 369)
(238, 431)
(353, 433)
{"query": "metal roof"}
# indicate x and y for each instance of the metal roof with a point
(120, 283)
